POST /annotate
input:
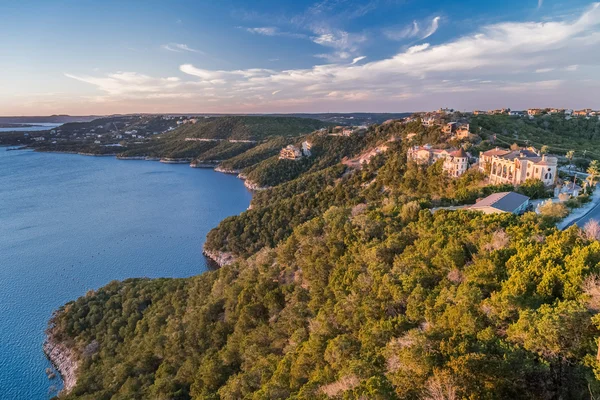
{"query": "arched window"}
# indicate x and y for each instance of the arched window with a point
(494, 169)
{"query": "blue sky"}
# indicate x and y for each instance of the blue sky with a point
(102, 57)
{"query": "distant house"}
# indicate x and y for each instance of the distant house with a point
(462, 131)
(39, 139)
(517, 113)
(582, 113)
(290, 152)
(306, 146)
(505, 202)
(347, 132)
(532, 112)
(456, 162)
(446, 110)
(449, 128)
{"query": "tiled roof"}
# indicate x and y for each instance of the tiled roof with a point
(505, 201)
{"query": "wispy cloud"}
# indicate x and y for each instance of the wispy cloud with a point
(504, 56)
(274, 31)
(180, 48)
(540, 4)
(414, 30)
(432, 28)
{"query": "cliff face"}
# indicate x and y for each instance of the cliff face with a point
(64, 361)
(221, 258)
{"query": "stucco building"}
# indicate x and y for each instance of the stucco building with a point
(516, 166)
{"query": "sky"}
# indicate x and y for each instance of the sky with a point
(83, 57)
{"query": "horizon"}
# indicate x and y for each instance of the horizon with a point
(376, 56)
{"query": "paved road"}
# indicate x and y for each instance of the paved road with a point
(594, 213)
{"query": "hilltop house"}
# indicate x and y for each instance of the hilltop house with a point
(463, 131)
(290, 152)
(532, 112)
(306, 146)
(456, 162)
(516, 166)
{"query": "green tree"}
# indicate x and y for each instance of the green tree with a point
(593, 171)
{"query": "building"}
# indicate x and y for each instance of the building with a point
(462, 131)
(505, 202)
(456, 162)
(516, 166)
(532, 112)
(347, 132)
(449, 128)
(582, 113)
(290, 152)
(306, 146)
(517, 113)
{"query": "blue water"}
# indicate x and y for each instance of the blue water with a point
(71, 223)
(35, 126)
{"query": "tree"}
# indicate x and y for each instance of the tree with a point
(593, 171)
(570, 155)
(544, 149)
(533, 188)
(514, 146)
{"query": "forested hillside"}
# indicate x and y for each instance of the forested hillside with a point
(347, 286)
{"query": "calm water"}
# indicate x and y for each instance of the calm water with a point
(71, 223)
(36, 126)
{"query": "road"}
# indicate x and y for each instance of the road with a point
(594, 213)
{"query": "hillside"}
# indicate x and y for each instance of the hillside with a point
(345, 285)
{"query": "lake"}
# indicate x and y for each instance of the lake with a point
(72, 223)
(33, 127)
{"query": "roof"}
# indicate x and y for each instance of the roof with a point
(459, 153)
(504, 201)
(495, 152)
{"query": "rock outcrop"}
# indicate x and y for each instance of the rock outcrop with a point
(227, 170)
(63, 359)
(219, 257)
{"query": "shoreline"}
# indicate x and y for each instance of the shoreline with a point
(62, 358)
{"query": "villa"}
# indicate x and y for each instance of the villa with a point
(516, 166)
(456, 161)
(290, 152)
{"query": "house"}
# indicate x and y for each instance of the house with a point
(478, 112)
(516, 166)
(449, 128)
(517, 113)
(347, 132)
(290, 152)
(568, 189)
(532, 112)
(429, 121)
(504, 202)
(446, 110)
(582, 113)
(39, 139)
(456, 161)
(306, 146)
(462, 131)
(501, 111)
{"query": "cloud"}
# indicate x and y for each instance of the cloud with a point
(413, 30)
(345, 44)
(273, 31)
(504, 56)
(432, 28)
(180, 48)
(543, 70)
(409, 31)
(540, 3)
(266, 30)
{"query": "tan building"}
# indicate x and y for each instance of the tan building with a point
(290, 152)
(456, 162)
(462, 131)
(534, 111)
(516, 166)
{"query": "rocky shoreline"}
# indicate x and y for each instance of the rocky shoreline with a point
(62, 358)
(219, 257)
(228, 171)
